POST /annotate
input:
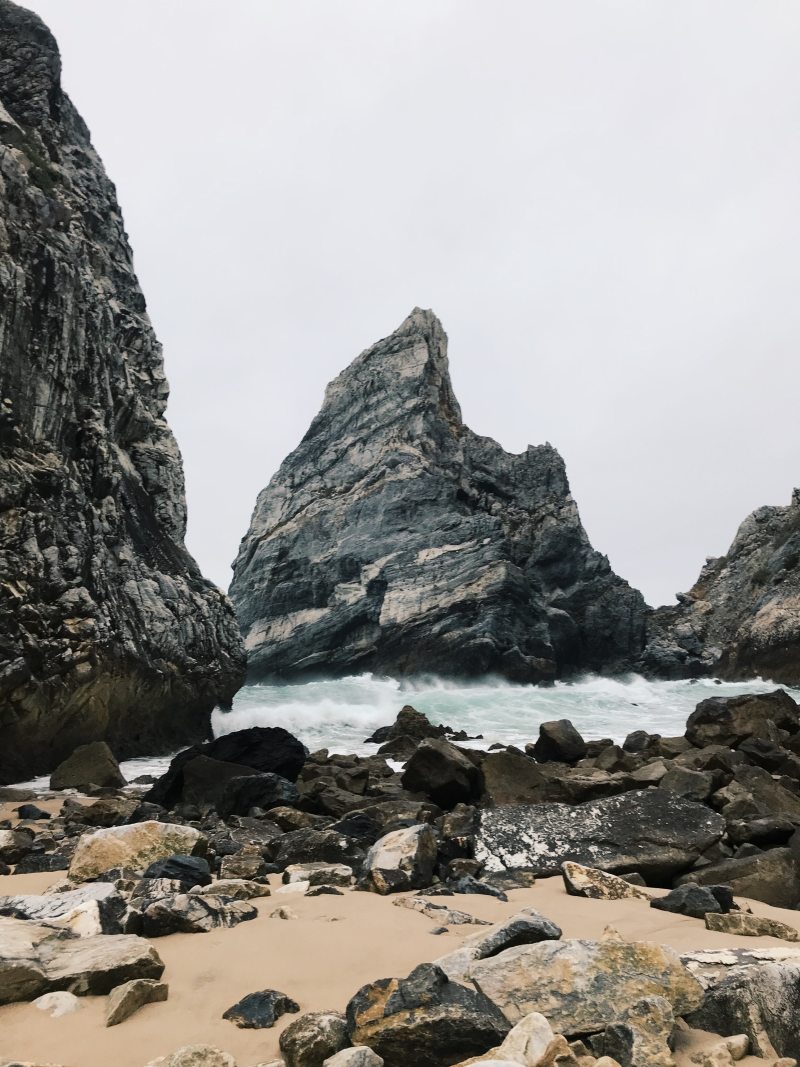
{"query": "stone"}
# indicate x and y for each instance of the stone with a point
(96, 908)
(582, 881)
(107, 811)
(526, 928)
(459, 559)
(33, 961)
(318, 846)
(203, 781)
(313, 1038)
(640, 1035)
(233, 888)
(57, 1004)
(14, 846)
(509, 777)
(89, 765)
(761, 1000)
(694, 785)
(191, 913)
(401, 860)
(317, 874)
(135, 846)
(743, 924)
(731, 720)
(32, 811)
(128, 998)
(260, 1010)
(772, 877)
(264, 749)
(247, 865)
(110, 632)
(690, 899)
(357, 1056)
(650, 831)
(409, 723)
(559, 741)
(439, 913)
(195, 1056)
(423, 1019)
(190, 870)
(262, 791)
(443, 773)
(580, 985)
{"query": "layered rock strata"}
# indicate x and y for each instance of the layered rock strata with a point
(108, 629)
(741, 619)
(394, 538)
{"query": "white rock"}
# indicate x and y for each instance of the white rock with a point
(136, 845)
(57, 1004)
(294, 887)
(357, 1056)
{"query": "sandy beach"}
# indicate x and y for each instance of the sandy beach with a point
(320, 958)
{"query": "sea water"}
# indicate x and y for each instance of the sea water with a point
(339, 714)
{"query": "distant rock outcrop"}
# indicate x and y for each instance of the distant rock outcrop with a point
(741, 619)
(107, 628)
(394, 538)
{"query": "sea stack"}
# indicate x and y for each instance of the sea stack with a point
(109, 631)
(741, 619)
(395, 539)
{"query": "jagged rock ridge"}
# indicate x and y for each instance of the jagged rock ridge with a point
(394, 538)
(107, 628)
(741, 619)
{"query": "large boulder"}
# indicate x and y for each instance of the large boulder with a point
(34, 960)
(135, 846)
(313, 1038)
(772, 877)
(652, 831)
(424, 1019)
(443, 773)
(402, 860)
(265, 749)
(263, 791)
(318, 846)
(96, 908)
(125, 1000)
(89, 765)
(192, 913)
(559, 741)
(731, 720)
(581, 986)
(511, 777)
(526, 928)
(260, 1010)
(205, 779)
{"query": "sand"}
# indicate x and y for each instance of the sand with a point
(321, 958)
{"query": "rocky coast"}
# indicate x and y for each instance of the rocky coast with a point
(576, 902)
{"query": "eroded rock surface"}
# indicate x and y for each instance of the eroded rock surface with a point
(109, 630)
(395, 538)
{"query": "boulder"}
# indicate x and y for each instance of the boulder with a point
(694, 900)
(96, 908)
(401, 860)
(14, 845)
(731, 720)
(582, 881)
(439, 913)
(653, 832)
(526, 928)
(190, 870)
(317, 874)
(443, 773)
(258, 1011)
(266, 749)
(772, 877)
(693, 785)
(762, 1001)
(424, 1019)
(89, 765)
(33, 812)
(107, 811)
(135, 846)
(195, 1056)
(580, 985)
(510, 777)
(204, 780)
(409, 723)
(313, 1038)
(318, 846)
(233, 888)
(191, 913)
(640, 1035)
(559, 742)
(57, 1004)
(357, 1056)
(128, 998)
(744, 924)
(263, 791)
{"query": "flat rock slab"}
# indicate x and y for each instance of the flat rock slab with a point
(440, 913)
(96, 908)
(651, 831)
(34, 960)
(746, 925)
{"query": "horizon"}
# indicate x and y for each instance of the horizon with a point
(600, 210)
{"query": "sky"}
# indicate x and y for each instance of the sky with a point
(599, 198)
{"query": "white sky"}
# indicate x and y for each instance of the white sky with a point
(599, 198)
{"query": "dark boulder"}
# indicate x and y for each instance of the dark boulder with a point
(695, 900)
(258, 1011)
(190, 870)
(92, 764)
(191, 913)
(409, 723)
(32, 811)
(424, 1019)
(443, 773)
(263, 791)
(772, 877)
(509, 777)
(313, 1038)
(559, 741)
(318, 846)
(731, 720)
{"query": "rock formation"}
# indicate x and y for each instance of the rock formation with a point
(741, 619)
(394, 538)
(107, 628)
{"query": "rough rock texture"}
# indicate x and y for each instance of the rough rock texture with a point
(109, 631)
(651, 831)
(135, 846)
(127, 999)
(741, 619)
(395, 538)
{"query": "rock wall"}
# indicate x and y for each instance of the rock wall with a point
(741, 619)
(107, 628)
(394, 538)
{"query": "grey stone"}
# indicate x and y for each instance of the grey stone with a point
(772, 877)
(443, 773)
(128, 998)
(313, 1038)
(402, 860)
(258, 1011)
(689, 899)
(191, 913)
(560, 741)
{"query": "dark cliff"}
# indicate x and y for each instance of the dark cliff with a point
(396, 539)
(107, 628)
(741, 619)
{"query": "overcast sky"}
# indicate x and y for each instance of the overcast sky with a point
(599, 200)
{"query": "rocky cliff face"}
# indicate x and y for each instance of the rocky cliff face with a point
(107, 628)
(394, 538)
(742, 617)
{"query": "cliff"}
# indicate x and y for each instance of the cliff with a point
(741, 619)
(395, 539)
(107, 628)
